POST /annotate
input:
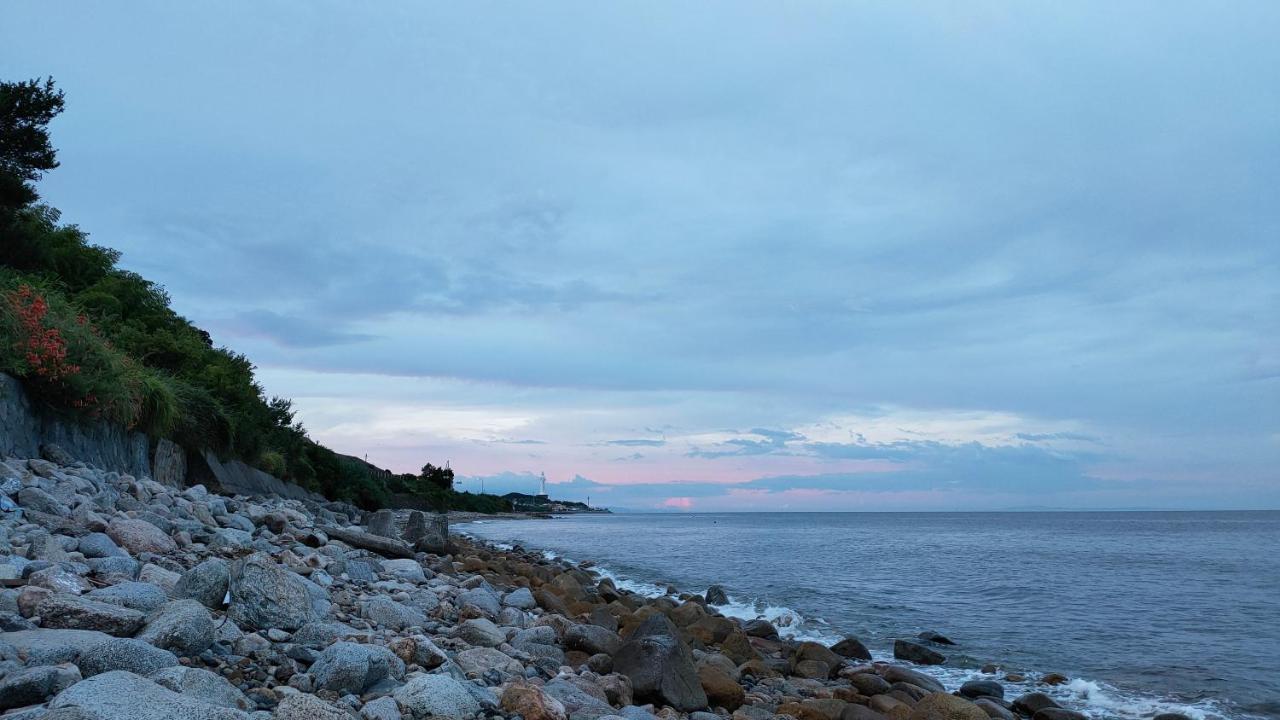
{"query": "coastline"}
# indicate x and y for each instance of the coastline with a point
(1088, 697)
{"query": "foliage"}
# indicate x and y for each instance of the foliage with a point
(89, 337)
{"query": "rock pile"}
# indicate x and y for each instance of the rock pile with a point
(126, 599)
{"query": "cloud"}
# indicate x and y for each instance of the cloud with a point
(529, 225)
(639, 442)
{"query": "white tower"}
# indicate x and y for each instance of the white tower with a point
(542, 487)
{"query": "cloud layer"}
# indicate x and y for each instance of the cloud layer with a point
(725, 256)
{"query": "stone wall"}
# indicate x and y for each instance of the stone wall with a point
(237, 478)
(24, 427)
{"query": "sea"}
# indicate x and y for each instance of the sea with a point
(1146, 612)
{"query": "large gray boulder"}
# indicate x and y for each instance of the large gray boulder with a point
(405, 569)
(579, 702)
(183, 626)
(265, 595)
(481, 632)
(72, 612)
(482, 600)
(141, 596)
(384, 611)
(49, 646)
(660, 666)
(346, 667)
(120, 695)
(202, 685)
(436, 695)
(100, 545)
(916, 653)
(128, 654)
(205, 583)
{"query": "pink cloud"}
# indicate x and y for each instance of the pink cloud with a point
(680, 503)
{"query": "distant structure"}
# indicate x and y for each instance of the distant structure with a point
(542, 502)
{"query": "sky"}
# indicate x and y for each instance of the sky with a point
(712, 256)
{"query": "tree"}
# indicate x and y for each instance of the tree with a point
(26, 109)
(439, 477)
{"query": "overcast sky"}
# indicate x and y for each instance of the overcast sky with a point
(734, 255)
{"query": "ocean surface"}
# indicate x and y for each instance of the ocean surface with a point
(1146, 611)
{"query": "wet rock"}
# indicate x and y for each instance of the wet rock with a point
(895, 673)
(716, 596)
(128, 654)
(660, 666)
(436, 695)
(1057, 713)
(760, 628)
(120, 695)
(916, 653)
(346, 667)
(808, 653)
(71, 612)
(851, 647)
(140, 536)
(935, 638)
(994, 709)
(183, 626)
(265, 595)
(1031, 703)
(36, 684)
(982, 688)
(205, 583)
(942, 706)
(869, 684)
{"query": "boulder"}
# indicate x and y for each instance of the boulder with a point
(721, 689)
(51, 647)
(205, 583)
(481, 632)
(896, 673)
(592, 639)
(943, 706)
(384, 611)
(478, 661)
(916, 653)
(129, 654)
(382, 523)
(996, 710)
(1057, 713)
(202, 685)
(383, 708)
(760, 628)
(139, 536)
(531, 703)
(936, 638)
(307, 707)
(71, 612)
(982, 688)
(851, 647)
(1031, 703)
(437, 695)
(520, 598)
(716, 596)
(482, 600)
(140, 596)
(346, 667)
(36, 684)
(120, 695)
(819, 653)
(100, 545)
(405, 569)
(860, 712)
(660, 666)
(428, 533)
(183, 626)
(265, 595)
(869, 684)
(581, 701)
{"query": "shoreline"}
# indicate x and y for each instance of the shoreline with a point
(1094, 698)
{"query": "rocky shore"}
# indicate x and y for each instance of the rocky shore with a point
(126, 599)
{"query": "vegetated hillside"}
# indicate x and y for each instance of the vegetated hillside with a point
(94, 339)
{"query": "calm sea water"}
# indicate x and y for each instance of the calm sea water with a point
(1146, 611)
